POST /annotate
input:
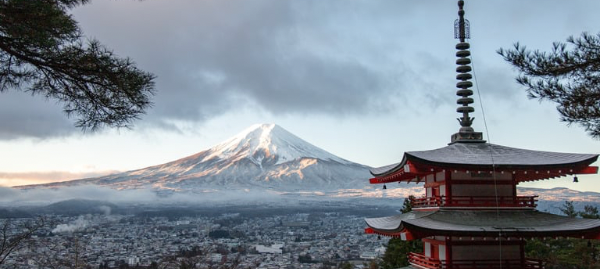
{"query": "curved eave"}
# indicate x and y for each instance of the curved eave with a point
(527, 165)
(389, 169)
(486, 154)
(404, 171)
(485, 224)
(565, 167)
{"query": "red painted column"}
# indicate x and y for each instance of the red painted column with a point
(448, 252)
(522, 249)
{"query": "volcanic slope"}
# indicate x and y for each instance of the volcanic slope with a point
(262, 156)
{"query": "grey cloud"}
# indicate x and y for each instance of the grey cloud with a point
(285, 56)
(31, 116)
(46, 196)
(41, 196)
(18, 178)
(336, 58)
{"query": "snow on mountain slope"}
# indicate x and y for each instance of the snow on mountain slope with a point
(262, 156)
(270, 142)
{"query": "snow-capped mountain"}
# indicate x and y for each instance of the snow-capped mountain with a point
(262, 156)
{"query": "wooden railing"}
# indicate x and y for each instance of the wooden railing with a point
(427, 262)
(476, 201)
(423, 261)
(495, 264)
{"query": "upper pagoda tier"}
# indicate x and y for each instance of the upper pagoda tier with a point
(468, 152)
(525, 165)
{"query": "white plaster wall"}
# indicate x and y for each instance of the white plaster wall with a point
(427, 247)
(442, 253)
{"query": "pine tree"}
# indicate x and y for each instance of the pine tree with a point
(43, 51)
(568, 209)
(589, 212)
(570, 78)
(407, 204)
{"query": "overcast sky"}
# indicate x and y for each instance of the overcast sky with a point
(363, 79)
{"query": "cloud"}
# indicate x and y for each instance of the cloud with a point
(44, 196)
(22, 115)
(261, 52)
(10, 196)
(333, 58)
(213, 57)
(28, 178)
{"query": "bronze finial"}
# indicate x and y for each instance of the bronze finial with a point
(461, 31)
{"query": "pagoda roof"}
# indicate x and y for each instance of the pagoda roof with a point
(510, 223)
(486, 156)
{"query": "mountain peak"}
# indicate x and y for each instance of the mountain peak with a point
(269, 141)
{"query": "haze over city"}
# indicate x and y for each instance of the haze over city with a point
(364, 80)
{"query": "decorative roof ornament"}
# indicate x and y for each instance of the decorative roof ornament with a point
(461, 32)
(461, 25)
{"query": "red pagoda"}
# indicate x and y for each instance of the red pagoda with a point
(471, 216)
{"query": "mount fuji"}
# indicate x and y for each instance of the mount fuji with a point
(263, 156)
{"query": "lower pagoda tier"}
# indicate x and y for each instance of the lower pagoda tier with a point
(483, 223)
(479, 239)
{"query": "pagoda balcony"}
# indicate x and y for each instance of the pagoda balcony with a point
(422, 261)
(476, 201)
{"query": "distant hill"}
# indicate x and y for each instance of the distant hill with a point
(75, 207)
(9, 213)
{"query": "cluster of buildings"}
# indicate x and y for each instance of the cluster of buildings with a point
(226, 241)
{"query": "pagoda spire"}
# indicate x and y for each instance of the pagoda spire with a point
(461, 32)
